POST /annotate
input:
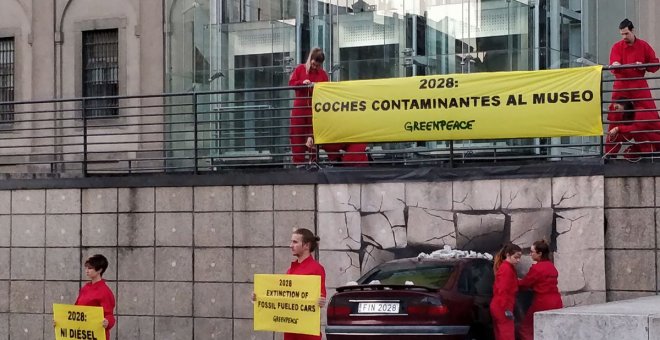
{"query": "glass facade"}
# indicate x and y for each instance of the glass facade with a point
(246, 44)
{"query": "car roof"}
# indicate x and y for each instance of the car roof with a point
(413, 261)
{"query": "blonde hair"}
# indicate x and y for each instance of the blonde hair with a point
(315, 54)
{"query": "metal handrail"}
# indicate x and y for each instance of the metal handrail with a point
(241, 128)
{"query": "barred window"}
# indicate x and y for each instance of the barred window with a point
(6, 79)
(100, 72)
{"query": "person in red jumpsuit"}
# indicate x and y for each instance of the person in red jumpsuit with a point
(542, 279)
(619, 114)
(631, 50)
(504, 291)
(96, 293)
(301, 134)
(641, 126)
(303, 243)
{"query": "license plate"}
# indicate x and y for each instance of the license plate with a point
(378, 307)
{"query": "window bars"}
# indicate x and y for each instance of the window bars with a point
(100, 72)
(7, 53)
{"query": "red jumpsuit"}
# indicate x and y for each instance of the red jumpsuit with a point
(504, 299)
(301, 115)
(301, 123)
(308, 266)
(99, 295)
(614, 143)
(642, 122)
(639, 51)
(542, 279)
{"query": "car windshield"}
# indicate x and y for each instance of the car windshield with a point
(428, 276)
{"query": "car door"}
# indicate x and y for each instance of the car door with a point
(482, 278)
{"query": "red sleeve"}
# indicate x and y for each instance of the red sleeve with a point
(612, 115)
(82, 295)
(504, 281)
(651, 58)
(298, 76)
(324, 76)
(641, 126)
(630, 127)
(108, 303)
(615, 56)
(323, 292)
(530, 279)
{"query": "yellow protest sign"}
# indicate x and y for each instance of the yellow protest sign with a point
(521, 104)
(78, 322)
(287, 303)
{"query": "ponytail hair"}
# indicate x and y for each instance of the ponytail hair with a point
(308, 237)
(507, 250)
(542, 247)
(317, 55)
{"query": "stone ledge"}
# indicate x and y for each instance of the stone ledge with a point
(637, 319)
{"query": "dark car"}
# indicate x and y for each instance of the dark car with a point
(415, 299)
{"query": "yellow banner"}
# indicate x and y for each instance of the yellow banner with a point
(550, 103)
(78, 322)
(287, 303)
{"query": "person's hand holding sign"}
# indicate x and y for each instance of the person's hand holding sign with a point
(322, 301)
(105, 323)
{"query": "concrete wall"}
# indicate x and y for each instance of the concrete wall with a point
(632, 237)
(363, 225)
(182, 259)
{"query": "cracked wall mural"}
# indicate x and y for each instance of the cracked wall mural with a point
(362, 225)
(604, 231)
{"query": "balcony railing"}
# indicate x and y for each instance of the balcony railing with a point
(236, 129)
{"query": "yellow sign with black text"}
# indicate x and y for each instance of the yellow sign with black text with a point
(78, 322)
(287, 303)
(520, 104)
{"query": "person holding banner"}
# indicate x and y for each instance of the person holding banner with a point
(303, 243)
(620, 114)
(96, 292)
(630, 82)
(300, 129)
(626, 125)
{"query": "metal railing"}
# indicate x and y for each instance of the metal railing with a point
(214, 131)
(631, 131)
